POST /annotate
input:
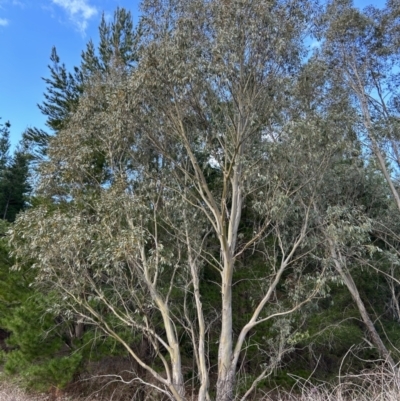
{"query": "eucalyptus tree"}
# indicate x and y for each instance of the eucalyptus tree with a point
(204, 130)
(361, 47)
(347, 232)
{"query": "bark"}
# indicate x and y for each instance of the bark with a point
(351, 286)
(173, 343)
(202, 360)
(225, 381)
(228, 238)
(79, 327)
(174, 349)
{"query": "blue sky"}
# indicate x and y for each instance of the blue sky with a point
(28, 31)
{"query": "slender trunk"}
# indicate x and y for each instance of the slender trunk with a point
(395, 300)
(173, 343)
(385, 171)
(348, 280)
(204, 380)
(79, 327)
(351, 286)
(6, 208)
(202, 361)
(228, 238)
(362, 98)
(174, 349)
(226, 377)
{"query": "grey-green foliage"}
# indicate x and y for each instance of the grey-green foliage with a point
(220, 150)
(361, 49)
(134, 236)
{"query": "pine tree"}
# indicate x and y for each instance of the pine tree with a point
(4, 145)
(13, 177)
(118, 44)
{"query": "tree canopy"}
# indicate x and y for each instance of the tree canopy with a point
(212, 186)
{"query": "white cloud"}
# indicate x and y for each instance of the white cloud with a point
(20, 3)
(79, 11)
(3, 22)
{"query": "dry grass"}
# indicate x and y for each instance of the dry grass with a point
(10, 392)
(381, 384)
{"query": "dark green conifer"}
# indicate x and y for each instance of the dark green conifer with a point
(13, 177)
(117, 47)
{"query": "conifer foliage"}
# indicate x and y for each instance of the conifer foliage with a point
(14, 186)
(117, 48)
